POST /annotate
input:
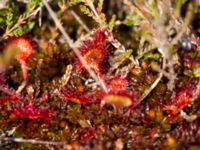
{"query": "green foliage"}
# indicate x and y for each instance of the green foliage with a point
(24, 29)
(153, 10)
(155, 56)
(32, 4)
(10, 19)
(86, 10)
(178, 4)
(196, 72)
(100, 5)
(112, 23)
(132, 20)
(74, 2)
(17, 24)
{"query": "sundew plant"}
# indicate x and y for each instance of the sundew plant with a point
(99, 74)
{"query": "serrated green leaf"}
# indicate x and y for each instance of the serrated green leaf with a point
(85, 10)
(18, 32)
(24, 29)
(9, 19)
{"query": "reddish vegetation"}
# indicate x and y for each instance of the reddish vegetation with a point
(80, 99)
(179, 99)
(7, 99)
(87, 134)
(31, 112)
(45, 97)
(100, 74)
(117, 83)
(25, 51)
(94, 51)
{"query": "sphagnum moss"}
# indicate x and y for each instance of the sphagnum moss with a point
(121, 75)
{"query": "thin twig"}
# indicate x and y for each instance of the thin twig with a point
(90, 4)
(155, 83)
(74, 47)
(32, 141)
(21, 87)
(185, 25)
(79, 20)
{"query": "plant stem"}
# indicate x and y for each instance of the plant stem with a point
(74, 47)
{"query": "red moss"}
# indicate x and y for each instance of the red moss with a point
(5, 89)
(6, 99)
(25, 52)
(2, 80)
(45, 97)
(179, 100)
(94, 51)
(87, 134)
(31, 112)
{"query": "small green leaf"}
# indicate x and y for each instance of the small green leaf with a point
(153, 8)
(128, 53)
(9, 20)
(188, 73)
(100, 5)
(32, 4)
(18, 32)
(31, 25)
(132, 20)
(2, 21)
(74, 2)
(112, 23)
(85, 10)
(196, 72)
(155, 56)
(24, 29)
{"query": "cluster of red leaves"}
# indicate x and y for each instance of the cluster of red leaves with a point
(12, 96)
(118, 93)
(31, 112)
(87, 134)
(179, 100)
(74, 97)
(24, 51)
(6, 99)
(94, 52)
